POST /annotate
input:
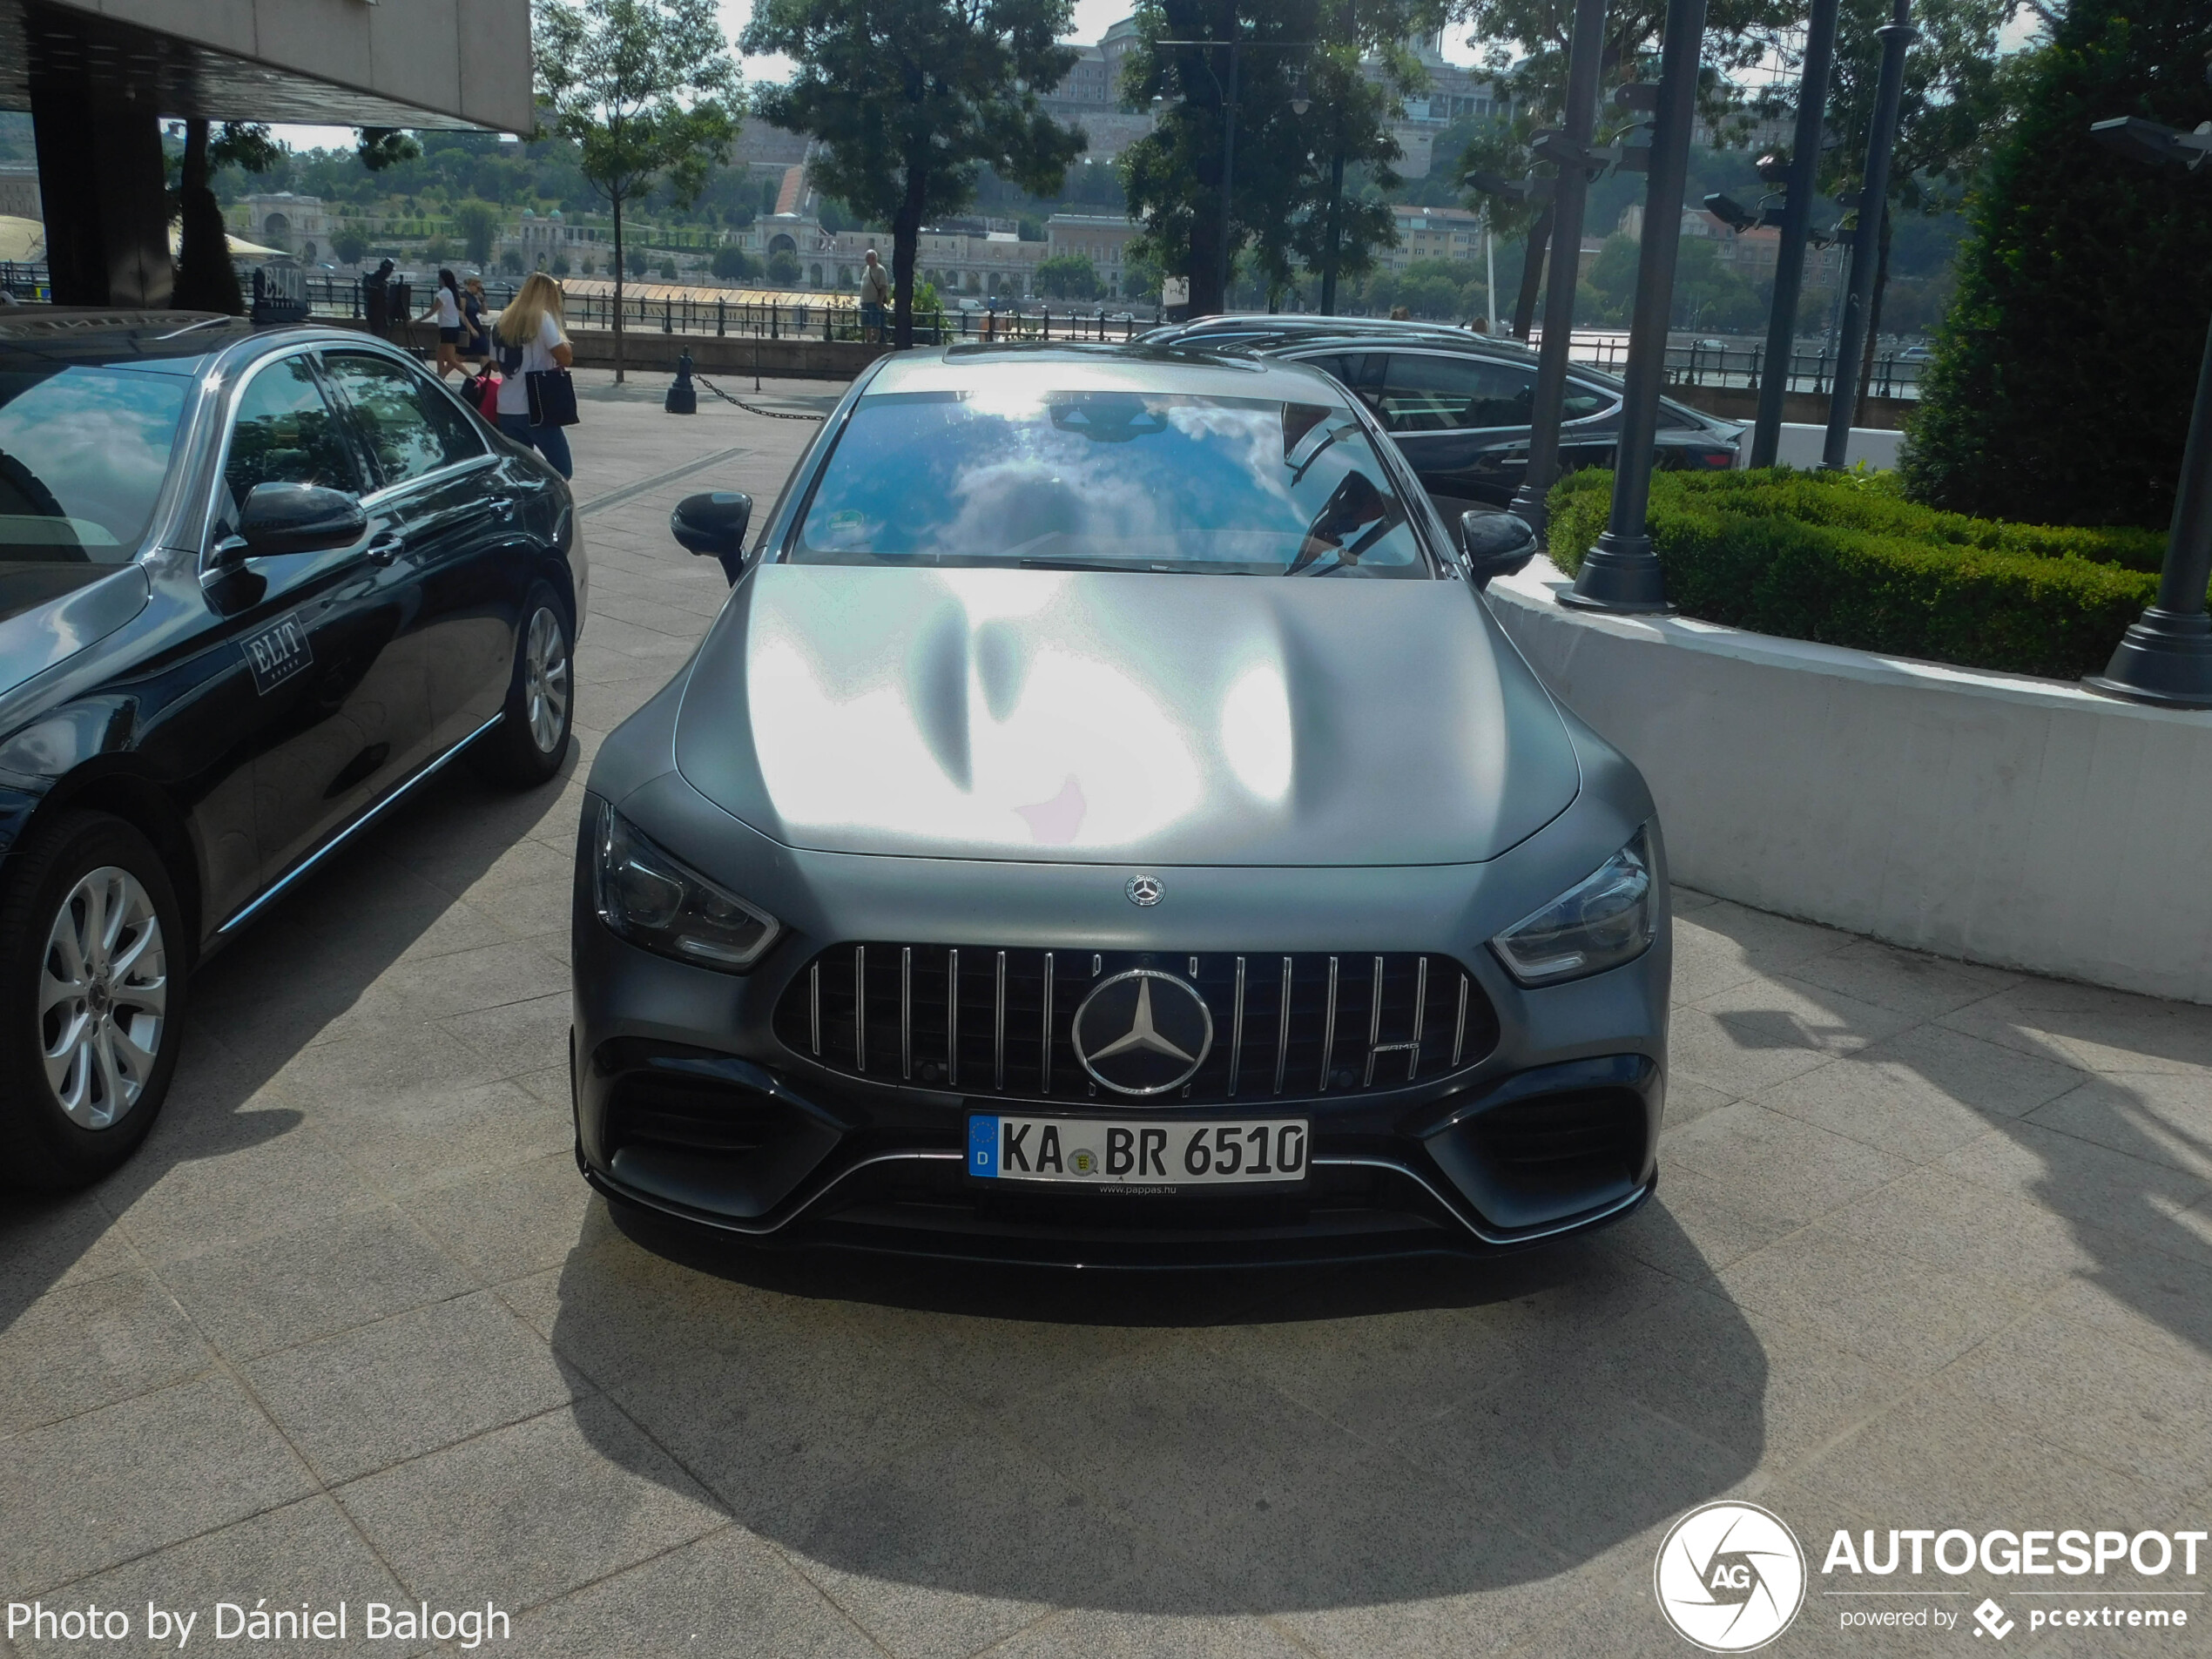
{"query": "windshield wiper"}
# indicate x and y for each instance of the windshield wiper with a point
(1085, 564)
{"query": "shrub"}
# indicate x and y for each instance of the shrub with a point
(2064, 375)
(1842, 559)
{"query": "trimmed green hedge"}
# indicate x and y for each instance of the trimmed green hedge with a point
(1842, 558)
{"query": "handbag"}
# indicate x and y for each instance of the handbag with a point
(552, 396)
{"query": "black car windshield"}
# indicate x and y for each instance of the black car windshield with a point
(82, 453)
(1107, 480)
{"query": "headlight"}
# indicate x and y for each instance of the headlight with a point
(1602, 922)
(652, 898)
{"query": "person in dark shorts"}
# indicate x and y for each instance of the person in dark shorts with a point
(446, 308)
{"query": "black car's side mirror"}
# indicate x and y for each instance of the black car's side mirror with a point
(714, 523)
(1496, 543)
(293, 518)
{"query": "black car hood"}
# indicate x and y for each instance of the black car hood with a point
(49, 611)
(1111, 718)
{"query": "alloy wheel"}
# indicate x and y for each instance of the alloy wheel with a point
(103, 997)
(545, 679)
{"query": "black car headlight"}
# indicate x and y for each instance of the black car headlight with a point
(1608, 918)
(653, 899)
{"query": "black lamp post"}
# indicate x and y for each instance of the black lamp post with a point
(1797, 221)
(1622, 573)
(2166, 656)
(1865, 249)
(1569, 149)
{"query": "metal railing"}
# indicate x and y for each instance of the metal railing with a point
(1895, 374)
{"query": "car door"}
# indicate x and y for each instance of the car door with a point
(338, 701)
(1461, 421)
(451, 508)
(1589, 425)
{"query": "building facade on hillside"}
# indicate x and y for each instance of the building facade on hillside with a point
(1433, 234)
(294, 225)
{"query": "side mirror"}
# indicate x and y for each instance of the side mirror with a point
(1497, 544)
(714, 523)
(294, 518)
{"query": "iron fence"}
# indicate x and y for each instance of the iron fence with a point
(1895, 373)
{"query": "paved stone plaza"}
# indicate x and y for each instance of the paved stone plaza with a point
(1929, 1250)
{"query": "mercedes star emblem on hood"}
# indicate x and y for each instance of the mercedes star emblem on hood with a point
(1144, 890)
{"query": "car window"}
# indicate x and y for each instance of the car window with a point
(1421, 393)
(83, 451)
(284, 433)
(1580, 401)
(412, 427)
(1113, 480)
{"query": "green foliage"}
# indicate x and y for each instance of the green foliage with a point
(783, 268)
(2065, 374)
(1845, 560)
(1291, 208)
(560, 265)
(382, 147)
(1068, 276)
(1446, 290)
(510, 262)
(350, 245)
(644, 88)
(636, 262)
(667, 270)
(733, 265)
(912, 99)
(478, 223)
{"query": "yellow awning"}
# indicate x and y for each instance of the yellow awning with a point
(23, 241)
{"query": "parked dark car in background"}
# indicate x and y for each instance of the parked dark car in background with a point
(1458, 403)
(1106, 824)
(254, 586)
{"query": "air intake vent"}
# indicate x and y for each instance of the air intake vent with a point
(984, 1020)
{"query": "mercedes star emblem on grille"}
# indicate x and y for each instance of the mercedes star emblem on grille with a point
(1144, 1032)
(1144, 890)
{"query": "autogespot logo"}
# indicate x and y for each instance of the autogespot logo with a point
(1729, 1577)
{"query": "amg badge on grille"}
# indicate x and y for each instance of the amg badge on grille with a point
(1143, 890)
(1144, 1032)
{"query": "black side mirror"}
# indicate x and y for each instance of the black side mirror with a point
(1497, 544)
(714, 523)
(293, 518)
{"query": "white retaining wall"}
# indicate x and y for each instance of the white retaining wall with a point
(1802, 446)
(2020, 822)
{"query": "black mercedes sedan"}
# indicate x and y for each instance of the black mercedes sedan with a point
(1106, 824)
(1458, 404)
(254, 587)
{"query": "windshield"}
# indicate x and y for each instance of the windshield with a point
(82, 453)
(1112, 480)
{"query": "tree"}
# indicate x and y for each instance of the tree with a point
(1528, 42)
(510, 262)
(783, 268)
(1289, 204)
(642, 87)
(733, 264)
(911, 99)
(667, 270)
(2063, 378)
(207, 281)
(636, 262)
(478, 223)
(348, 244)
(1067, 276)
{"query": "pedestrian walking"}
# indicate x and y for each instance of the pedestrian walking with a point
(532, 342)
(875, 297)
(475, 344)
(445, 309)
(376, 300)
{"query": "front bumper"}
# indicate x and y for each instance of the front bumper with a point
(688, 1103)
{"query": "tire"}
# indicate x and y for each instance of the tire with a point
(526, 747)
(83, 1073)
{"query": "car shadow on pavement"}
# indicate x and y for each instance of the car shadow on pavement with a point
(1184, 1443)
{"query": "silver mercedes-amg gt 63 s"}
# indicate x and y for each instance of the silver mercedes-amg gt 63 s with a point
(1105, 825)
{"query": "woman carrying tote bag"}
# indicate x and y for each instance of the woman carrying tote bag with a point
(537, 399)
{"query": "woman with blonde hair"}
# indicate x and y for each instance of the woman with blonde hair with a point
(530, 339)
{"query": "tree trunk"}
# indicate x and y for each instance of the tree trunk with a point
(1330, 257)
(906, 245)
(1873, 316)
(1532, 275)
(206, 277)
(617, 202)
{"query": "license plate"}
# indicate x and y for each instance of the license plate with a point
(1137, 1152)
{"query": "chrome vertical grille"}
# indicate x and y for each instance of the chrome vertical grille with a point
(1285, 1026)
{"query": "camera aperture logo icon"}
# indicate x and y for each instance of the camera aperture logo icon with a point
(1729, 1577)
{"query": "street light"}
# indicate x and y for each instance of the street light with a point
(2165, 655)
(1873, 203)
(1622, 573)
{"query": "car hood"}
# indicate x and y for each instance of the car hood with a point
(50, 611)
(1112, 718)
